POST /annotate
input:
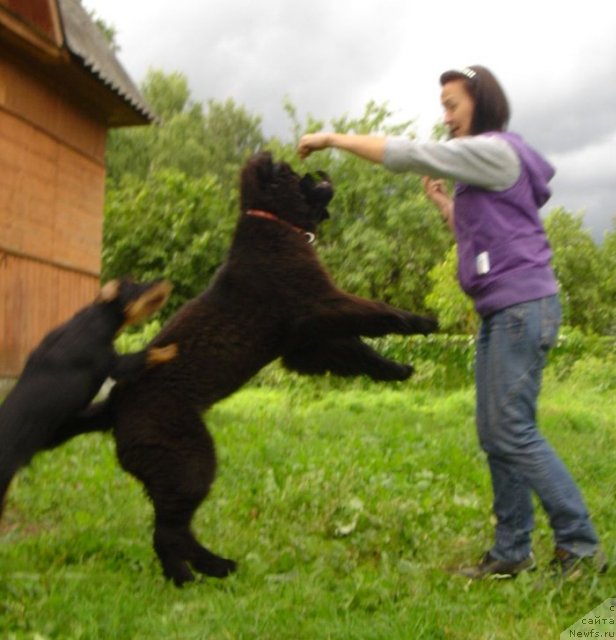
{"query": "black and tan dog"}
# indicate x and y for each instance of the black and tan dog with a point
(65, 372)
(270, 299)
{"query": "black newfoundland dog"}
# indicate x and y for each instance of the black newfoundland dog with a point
(270, 299)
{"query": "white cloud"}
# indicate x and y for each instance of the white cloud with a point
(585, 182)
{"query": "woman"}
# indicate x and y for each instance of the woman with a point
(504, 266)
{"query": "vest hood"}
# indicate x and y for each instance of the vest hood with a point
(539, 170)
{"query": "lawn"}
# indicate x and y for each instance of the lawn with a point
(345, 505)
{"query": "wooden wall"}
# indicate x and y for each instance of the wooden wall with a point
(51, 203)
(34, 298)
(51, 198)
(40, 13)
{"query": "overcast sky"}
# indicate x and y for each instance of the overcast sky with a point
(555, 58)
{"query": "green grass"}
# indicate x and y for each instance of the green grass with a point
(345, 506)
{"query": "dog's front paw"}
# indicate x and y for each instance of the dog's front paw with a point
(160, 355)
(420, 324)
(428, 325)
(406, 371)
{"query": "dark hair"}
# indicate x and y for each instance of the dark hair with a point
(491, 112)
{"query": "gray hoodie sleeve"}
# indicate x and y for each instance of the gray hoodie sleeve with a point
(483, 161)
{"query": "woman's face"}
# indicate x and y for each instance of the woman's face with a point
(459, 108)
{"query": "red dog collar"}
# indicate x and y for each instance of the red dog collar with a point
(258, 213)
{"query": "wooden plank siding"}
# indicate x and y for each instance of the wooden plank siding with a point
(39, 13)
(35, 297)
(27, 94)
(52, 177)
(51, 198)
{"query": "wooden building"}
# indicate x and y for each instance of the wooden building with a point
(61, 89)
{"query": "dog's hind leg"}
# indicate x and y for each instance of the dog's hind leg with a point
(176, 546)
(177, 475)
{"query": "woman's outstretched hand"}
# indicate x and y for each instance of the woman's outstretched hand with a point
(312, 142)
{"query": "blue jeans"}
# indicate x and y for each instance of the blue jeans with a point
(511, 352)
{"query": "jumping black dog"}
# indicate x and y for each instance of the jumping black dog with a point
(65, 372)
(270, 299)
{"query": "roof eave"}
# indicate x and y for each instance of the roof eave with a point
(89, 50)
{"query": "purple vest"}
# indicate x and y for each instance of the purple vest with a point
(503, 253)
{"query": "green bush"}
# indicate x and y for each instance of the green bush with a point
(169, 226)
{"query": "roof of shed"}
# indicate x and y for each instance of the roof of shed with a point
(88, 46)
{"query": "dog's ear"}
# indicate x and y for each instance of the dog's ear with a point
(265, 167)
(109, 292)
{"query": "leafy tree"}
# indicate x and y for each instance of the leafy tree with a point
(607, 256)
(175, 140)
(168, 94)
(169, 226)
(453, 307)
(184, 138)
(577, 264)
(231, 136)
(128, 153)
